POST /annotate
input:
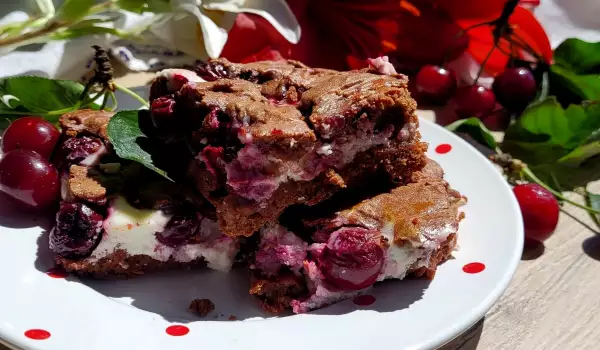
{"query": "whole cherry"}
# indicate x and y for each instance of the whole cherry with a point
(540, 210)
(31, 133)
(352, 259)
(515, 88)
(29, 178)
(434, 84)
(474, 101)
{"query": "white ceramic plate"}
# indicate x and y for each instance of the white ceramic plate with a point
(140, 313)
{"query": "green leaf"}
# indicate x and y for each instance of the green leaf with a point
(72, 10)
(475, 128)
(546, 132)
(137, 6)
(128, 140)
(159, 6)
(578, 55)
(82, 31)
(38, 95)
(566, 178)
(593, 200)
(581, 154)
(585, 86)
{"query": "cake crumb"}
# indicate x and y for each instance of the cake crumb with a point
(82, 186)
(202, 307)
(232, 318)
(335, 179)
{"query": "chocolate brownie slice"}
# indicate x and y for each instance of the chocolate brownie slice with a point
(118, 219)
(407, 231)
(269, 135)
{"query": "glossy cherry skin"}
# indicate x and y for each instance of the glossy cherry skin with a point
(515, 88)
(434, 84)
(31, 133)
(352, 259)
(28, 177)
(540, 210)
(474, 101)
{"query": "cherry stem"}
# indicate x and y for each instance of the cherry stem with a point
(482, 66)
(113, 100)
(531, 176)
(516, 40)
(132, 94)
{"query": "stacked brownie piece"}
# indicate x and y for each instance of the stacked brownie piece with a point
(315, 180)
(267, 136)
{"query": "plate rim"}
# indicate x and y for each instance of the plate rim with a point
(447, 334)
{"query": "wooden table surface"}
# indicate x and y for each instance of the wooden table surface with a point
(553, 302)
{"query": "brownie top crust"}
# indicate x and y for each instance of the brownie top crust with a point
(86, 122)
(266, 129)
(426, 207)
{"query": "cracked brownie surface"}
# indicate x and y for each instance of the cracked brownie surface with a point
(268, 135)
(407, 231)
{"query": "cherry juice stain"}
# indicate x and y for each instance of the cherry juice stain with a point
(57, 272)
(364, 300)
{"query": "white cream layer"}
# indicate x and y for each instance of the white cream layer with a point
(133, 230)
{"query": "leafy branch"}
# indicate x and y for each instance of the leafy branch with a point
(75, 18)
(20, 96)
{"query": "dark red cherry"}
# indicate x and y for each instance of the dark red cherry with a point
(31, 133)
(474, 101)
(540, 210)
(28, 177)
(515, 88)
(77, 231)
(179, 230)
(352, 259)
(434, 84)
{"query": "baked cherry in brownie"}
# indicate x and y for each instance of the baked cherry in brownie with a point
(180, 230)
(74, 150)
(352, 258)
(407, 230)
(269, 135)
(77, 231)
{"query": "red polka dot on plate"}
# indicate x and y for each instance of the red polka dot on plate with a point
(443, 148)
(474, 267)
(37, 334)
(57, 272)
(177, 330)
(364, 300)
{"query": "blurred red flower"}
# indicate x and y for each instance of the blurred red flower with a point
(342, 34)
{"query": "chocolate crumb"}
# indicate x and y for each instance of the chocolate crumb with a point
(81, 186)
(202, 306)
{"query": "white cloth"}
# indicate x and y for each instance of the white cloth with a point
(192, 30)
(70, 59)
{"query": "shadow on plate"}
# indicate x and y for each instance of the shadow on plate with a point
(44, 258)
(14, 216)
(170, 293)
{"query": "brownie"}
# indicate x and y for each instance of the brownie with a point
(92, 179)
(202, 307)
(85, 122)
(269, 135)
(122, 265)
(407, 231)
